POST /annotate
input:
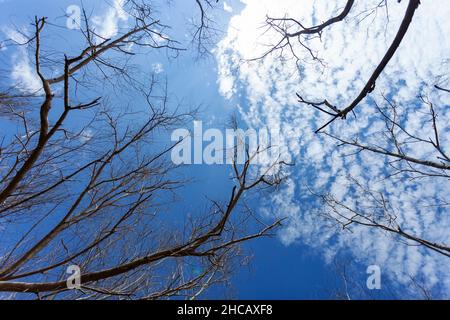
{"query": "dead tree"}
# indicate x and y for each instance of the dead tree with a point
(373, 210)
(393, 144)
(351, 284)
(398, 138)
(88, 184)
(294, 36)
(292, 30)
(205, 30)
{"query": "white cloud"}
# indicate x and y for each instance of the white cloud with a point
(86, 135)
(157, 68)
(351, 50)
(227, 7)
(15, 35)
(23, 73)
(107, 25)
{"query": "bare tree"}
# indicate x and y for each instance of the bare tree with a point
(372, 209)
(89, 183)
(290, 29)
(205, 30)
(399, 138)
(368, 207)
(350, 284)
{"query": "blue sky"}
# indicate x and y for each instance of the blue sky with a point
(298, 262)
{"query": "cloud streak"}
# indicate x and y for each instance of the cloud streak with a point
(350, 50)
(23, 73)
(106, 25)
